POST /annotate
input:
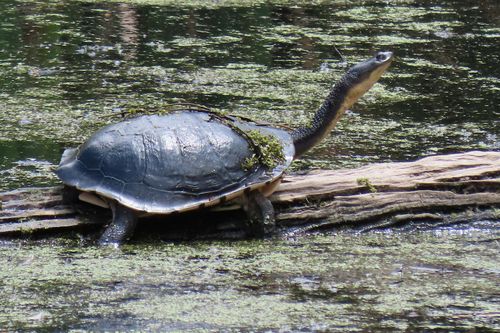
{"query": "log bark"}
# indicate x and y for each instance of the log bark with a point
(441, 189)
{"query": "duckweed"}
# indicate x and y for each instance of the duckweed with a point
(67, 68)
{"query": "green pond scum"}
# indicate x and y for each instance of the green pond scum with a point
(391, 282)
(68, 68)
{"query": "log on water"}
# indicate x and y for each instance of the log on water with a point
(39, 208)
(441, 189)
(437, 189)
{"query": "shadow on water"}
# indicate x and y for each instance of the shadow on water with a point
(66, 67)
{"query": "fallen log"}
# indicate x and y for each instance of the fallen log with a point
(442, 189)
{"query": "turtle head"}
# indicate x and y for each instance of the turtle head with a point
(361, 77)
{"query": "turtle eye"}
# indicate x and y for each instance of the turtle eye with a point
(381, 56)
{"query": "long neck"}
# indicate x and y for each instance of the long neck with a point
(334, 106)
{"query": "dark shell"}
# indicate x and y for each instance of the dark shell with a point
(175, 162)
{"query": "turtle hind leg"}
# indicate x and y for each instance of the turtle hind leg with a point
(122, 226)
(260, 213)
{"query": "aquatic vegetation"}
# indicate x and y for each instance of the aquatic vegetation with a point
(269, 151)
(366, 183)
(84, 78)
(68, 68)
(328, 280)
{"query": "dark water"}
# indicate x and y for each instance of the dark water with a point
(65, 67)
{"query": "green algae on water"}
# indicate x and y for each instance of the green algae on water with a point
(390, 281)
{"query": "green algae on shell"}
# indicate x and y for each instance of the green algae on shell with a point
(269, 153)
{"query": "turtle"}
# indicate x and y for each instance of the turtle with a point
(191, 159)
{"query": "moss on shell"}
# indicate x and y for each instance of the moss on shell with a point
(269, 150)
(250, 162)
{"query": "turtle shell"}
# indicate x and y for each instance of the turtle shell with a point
(170, 163)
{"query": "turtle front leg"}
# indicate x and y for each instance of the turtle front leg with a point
(122, 226)
(260, 213)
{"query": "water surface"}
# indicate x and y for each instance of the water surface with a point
(67, 68)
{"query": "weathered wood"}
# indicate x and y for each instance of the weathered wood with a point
(437, 189)
(46, 224)
(473, 170)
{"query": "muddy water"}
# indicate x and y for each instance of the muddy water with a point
(67, 68)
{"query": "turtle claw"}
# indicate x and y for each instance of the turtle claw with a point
(260, 213)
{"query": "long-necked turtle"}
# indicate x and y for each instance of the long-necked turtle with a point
(186, 160)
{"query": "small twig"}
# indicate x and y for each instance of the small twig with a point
(339, 53)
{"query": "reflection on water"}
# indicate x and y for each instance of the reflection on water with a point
(66, 66)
